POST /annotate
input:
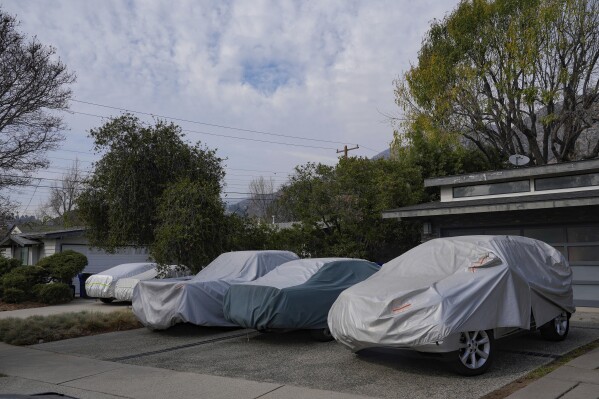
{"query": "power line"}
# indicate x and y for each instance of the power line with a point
(231, 137)
(208, 124)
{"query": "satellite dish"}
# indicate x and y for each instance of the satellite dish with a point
(519, 160)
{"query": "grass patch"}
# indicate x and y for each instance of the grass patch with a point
(37, 329)
(541, 372)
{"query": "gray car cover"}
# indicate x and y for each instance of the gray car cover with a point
(298, 294)
(159, 304)
(452, 285)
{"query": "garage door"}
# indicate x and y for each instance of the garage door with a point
(578, 243)
(99, 260)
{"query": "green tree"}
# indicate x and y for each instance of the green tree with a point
(340, 208)
(511, 76)
(191, 228)
(432, 152)
(63, 266)
(119, 203)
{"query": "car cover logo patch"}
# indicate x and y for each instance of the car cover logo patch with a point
(401, 308)
(485, 260)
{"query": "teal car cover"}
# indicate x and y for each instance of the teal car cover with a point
(297, 294)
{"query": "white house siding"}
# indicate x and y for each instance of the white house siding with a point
(49, 248)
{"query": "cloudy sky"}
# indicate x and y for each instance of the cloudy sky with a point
(320, 71)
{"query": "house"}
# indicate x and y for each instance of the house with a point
(557, 203)
(32, 244)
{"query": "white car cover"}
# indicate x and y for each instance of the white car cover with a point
(102, 285)
(452, 285)
(123, 289)
(159, 304)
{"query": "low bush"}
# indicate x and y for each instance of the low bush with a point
(36, 329)
(64, 266)
(23, 279)
(8, 264)
(53, 293)
(14, 295)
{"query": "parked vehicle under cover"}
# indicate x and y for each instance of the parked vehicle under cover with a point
(295, 295)
(458, 295)
(105, 285)
(160, 304)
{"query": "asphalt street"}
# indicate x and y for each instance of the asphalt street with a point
(295, 359)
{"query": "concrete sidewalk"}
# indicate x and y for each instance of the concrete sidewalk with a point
(77, 305)
(33, 371)
(578, 379)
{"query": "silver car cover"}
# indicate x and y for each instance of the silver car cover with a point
(159, 304)
(102, 285)
(451, 285)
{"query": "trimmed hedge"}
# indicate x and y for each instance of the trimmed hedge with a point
(54, 293)
(8, 264)
(64, 266)
(14, 295)
(24, 278)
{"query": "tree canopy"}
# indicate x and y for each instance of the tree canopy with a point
(339, 208)
(191, 228)
(511, 76)
(120, 201)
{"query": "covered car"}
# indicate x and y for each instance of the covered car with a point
(123, 289)
(457, 295)
(103, 285)
(160, 304)
(296, 295)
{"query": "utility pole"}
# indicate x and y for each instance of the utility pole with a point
(345, 150)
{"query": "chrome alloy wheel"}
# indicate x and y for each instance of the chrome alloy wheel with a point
(475, 349)
(561, 324)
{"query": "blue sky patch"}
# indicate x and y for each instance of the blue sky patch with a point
(268, 77)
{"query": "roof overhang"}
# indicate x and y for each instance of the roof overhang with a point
(20, 241)
(558, 169)
(522, 203)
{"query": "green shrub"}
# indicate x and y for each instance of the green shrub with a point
(14, 295)
(54, 293)
(23, 279)
(8, 264)
(64, 266)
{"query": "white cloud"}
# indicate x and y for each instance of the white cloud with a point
(319, 69)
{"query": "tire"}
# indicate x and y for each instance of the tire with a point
(322, 334)
(476, 353)
(557, 329)
(107, 300)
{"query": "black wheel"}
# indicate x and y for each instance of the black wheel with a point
(477, 349)
(557, 329)
(322, 334)
(107, 300)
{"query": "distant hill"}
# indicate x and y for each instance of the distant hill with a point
(385, 154)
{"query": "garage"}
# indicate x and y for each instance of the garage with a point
(99, 260)
(557, 203)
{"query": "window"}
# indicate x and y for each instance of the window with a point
(554, 183)
(25, 255)
(520, 186)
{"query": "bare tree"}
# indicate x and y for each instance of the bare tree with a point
(32, 86)
(262, 195)
(63, 196)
